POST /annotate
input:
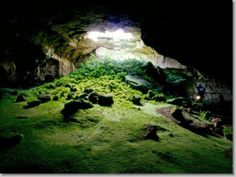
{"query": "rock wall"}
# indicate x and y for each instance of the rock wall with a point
(64, 43)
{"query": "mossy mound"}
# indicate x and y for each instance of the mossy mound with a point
(103, 139)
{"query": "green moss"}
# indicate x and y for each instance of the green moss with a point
(103, 139)
(174, 75)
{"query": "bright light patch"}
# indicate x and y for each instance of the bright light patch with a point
(117, 35)
(198, 97)
(120, 55)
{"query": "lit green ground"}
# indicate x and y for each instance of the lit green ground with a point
(104, 139)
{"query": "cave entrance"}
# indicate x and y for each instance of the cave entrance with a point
(118, 44)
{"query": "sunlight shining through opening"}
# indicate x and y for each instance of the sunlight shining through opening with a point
(117, 35)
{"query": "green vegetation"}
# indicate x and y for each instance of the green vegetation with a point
(103, 139)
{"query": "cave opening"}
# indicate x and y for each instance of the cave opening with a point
(112, 88)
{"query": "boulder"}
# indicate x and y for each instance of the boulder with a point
(93, 97)
(138, 83)
(176, 101)
(136, 100)
(105, 100)
(81, 96)
(88, 90)
(217, 122)
(151, 132)
(217, 126)
(20, 98)
(178, 115)
(150, 95)
(44, 98)
(154, 72)
(71, 107)
(159, 98)
(32, 104)
(201, 128)
(55, 98)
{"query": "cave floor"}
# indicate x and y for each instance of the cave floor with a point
(105, 140)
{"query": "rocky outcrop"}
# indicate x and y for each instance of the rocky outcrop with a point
(7, 70)
(71, 107)
(67, 42)
(138, 83)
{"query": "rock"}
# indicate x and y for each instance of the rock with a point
(149, 95)
(201, 128)
(105, 100)
(151, 132)
(93, 97)
(155, 73)
(10, 140)
(159, 98)
(176, 101)
(47, 70)
(48, 78)
(177, 114)
(44, 98)
(20, 98)
(167, 62)
(136, 100)
(82, 96)
(102, 100)
(88, 90)
(7, 70)
(138, 83)
(218, 126)
(71, 107)
(55, 98)
(32, 104)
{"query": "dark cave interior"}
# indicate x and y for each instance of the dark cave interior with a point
(195, 33)
(116, 86)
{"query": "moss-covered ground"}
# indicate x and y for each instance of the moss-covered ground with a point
(103, 139)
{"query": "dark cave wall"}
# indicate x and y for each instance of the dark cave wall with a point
(197, 34)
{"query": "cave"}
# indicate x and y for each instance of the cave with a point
(117, 87)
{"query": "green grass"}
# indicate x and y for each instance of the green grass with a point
(103, 139)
